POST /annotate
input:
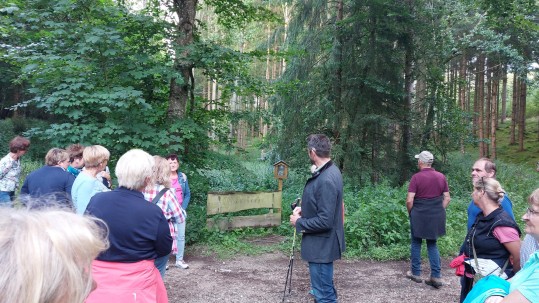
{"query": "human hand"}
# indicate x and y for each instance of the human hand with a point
(494, 299)
(105, 175)
(296, 214)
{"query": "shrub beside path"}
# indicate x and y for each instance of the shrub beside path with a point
(261, 278)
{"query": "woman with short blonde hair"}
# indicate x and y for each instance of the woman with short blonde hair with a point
(57, 157)
(87, 184)
(94, 156)
(50, 181)
(46, 255)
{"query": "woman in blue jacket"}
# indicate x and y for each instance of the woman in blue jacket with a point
(183, 193)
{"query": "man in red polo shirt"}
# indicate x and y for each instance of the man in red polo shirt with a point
(427, 199)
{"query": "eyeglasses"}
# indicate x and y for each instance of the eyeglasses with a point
(530, 212)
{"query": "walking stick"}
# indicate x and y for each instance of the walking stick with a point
(288, 281)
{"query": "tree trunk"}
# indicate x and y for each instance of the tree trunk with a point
(487, 107)
(336, 84)
(286, 16)
(462, 91)
(514, 113)
(494, 111)
(504, 95)
(522, 113)
(182, 90)
(480, 105)
(408, 96)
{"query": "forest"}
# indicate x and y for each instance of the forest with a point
(220, 81)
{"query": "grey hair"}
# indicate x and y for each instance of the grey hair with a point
(134, 169)
(320, 144)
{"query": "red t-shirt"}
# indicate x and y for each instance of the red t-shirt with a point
(428, 183)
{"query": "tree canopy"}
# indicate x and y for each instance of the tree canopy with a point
(384, 79)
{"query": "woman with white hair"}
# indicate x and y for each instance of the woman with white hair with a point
(87, 184)
(46, 255)
(138, 234)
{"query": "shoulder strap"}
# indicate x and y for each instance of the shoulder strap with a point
(502, 270)
(159, 195)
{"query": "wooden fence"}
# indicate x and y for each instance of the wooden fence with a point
(229, 202)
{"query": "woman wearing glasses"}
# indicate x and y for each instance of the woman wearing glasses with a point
(524, 286)
(494, 239)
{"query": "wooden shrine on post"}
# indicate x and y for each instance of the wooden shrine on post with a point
(230, 202)
(280, 172)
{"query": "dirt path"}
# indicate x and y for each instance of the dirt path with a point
(251, 279)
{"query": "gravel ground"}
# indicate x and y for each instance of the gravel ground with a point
(261, 278)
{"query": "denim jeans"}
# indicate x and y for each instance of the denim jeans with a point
(433, 253)
(6, 197)
(322, 282)
(161, 264)
(180, 238)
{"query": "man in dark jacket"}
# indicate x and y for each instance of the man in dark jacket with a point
(320, 219)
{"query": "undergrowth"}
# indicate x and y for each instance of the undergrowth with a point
(376, 223)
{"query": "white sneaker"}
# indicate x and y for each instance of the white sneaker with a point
(182, 264)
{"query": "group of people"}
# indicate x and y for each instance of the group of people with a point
(492, 249)
(127, 233)
(120, 240)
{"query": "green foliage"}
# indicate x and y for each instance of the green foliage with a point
(102, 73)
(375, 217)
(93, 69)
(237, 13)
(9, 128)
(376, 222)
(510, 153)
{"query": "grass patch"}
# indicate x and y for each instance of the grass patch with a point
(510, 153)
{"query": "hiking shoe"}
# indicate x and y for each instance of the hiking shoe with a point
(182, 264)
(434, 282)
(413, 277)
